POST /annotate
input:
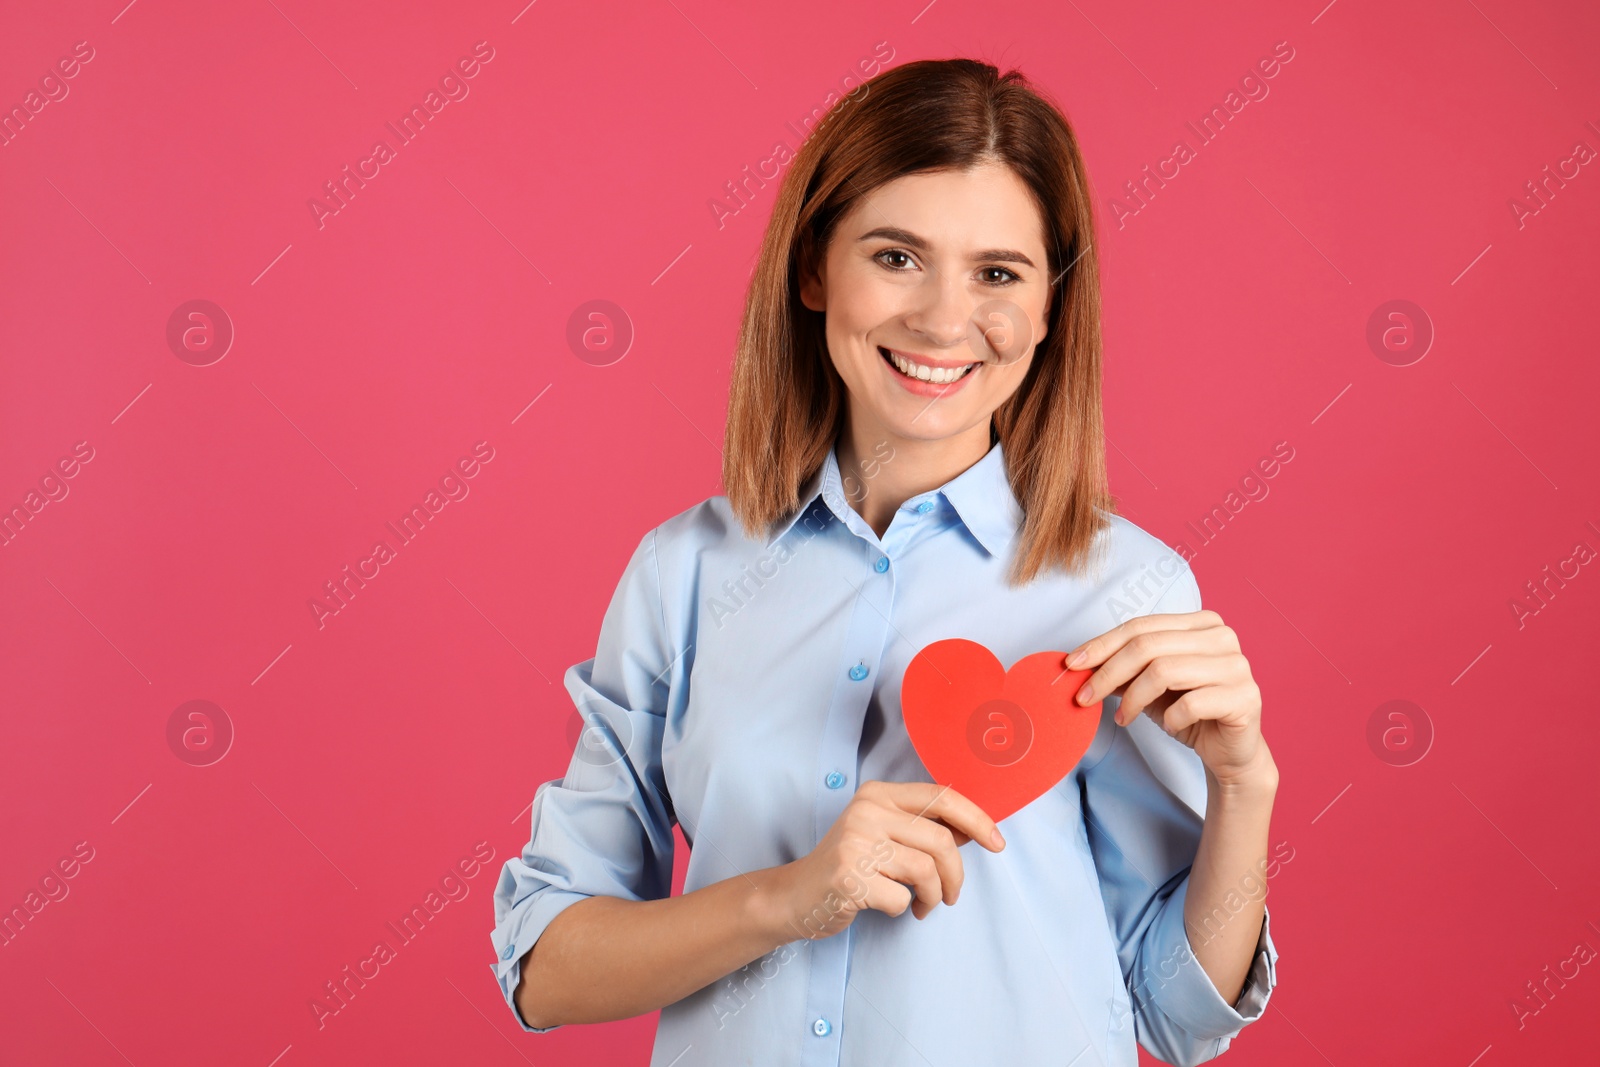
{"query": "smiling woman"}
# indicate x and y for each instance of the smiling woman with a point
(925, 311)
(944, 246)
(901, 297)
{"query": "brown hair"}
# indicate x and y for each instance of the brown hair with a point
(786, 400)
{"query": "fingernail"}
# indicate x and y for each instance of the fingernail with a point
(1086, 694)
(999, 842)
(1074, 658)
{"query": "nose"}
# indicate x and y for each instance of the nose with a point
(942, 310)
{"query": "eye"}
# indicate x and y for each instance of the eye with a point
(1011, 277)
(893, 252)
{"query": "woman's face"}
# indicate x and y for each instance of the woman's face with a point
(946, 271)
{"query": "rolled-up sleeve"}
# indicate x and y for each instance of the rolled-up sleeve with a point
(1187, 1017)
(605, 829)
(1140, 800)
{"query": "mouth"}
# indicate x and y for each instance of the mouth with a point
(923, 375)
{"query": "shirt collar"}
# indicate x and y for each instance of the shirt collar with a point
(981, 497)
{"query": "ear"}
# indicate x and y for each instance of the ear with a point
(1044, 322)
(813, 288)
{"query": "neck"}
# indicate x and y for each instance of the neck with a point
(882, 470)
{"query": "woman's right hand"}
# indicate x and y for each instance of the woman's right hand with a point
(891, 835)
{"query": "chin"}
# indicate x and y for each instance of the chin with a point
(919, 424)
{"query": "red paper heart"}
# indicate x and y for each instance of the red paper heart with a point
(1000, 738)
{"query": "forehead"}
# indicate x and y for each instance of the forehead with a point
(980, 207)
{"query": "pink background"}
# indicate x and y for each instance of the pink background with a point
(371, 755)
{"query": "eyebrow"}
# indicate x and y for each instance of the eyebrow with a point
(906, 237)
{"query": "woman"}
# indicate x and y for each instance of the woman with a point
(913, 453)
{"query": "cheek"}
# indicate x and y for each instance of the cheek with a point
(857, 317)
(1003, 381)
(864, 301)
(840, 345)
(851, 329)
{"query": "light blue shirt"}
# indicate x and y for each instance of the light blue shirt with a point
(743, 690)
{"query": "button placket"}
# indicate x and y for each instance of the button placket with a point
(864, 644)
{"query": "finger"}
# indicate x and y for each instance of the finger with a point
(1097, 650)
(1156, 708)
(1162, 703)
(1135, 655)
(935, 840)
(1221, 702)
(930, 800)
(917, 871)
(960, 836)
(1172, 674)
(890, 897)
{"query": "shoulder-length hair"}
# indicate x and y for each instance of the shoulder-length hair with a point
(786, 400)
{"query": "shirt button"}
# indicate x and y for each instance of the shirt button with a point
(821, 1028)
(858, 672)
(925, 507)
(882, 564)
(511, 950)
(834, 780)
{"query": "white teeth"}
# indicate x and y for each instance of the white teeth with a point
(924, 373)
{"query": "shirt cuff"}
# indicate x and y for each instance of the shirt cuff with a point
(1186, 994)
(513, 938)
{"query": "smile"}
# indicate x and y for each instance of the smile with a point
(923, 374)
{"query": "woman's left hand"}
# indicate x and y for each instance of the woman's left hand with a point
(1184, 672)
